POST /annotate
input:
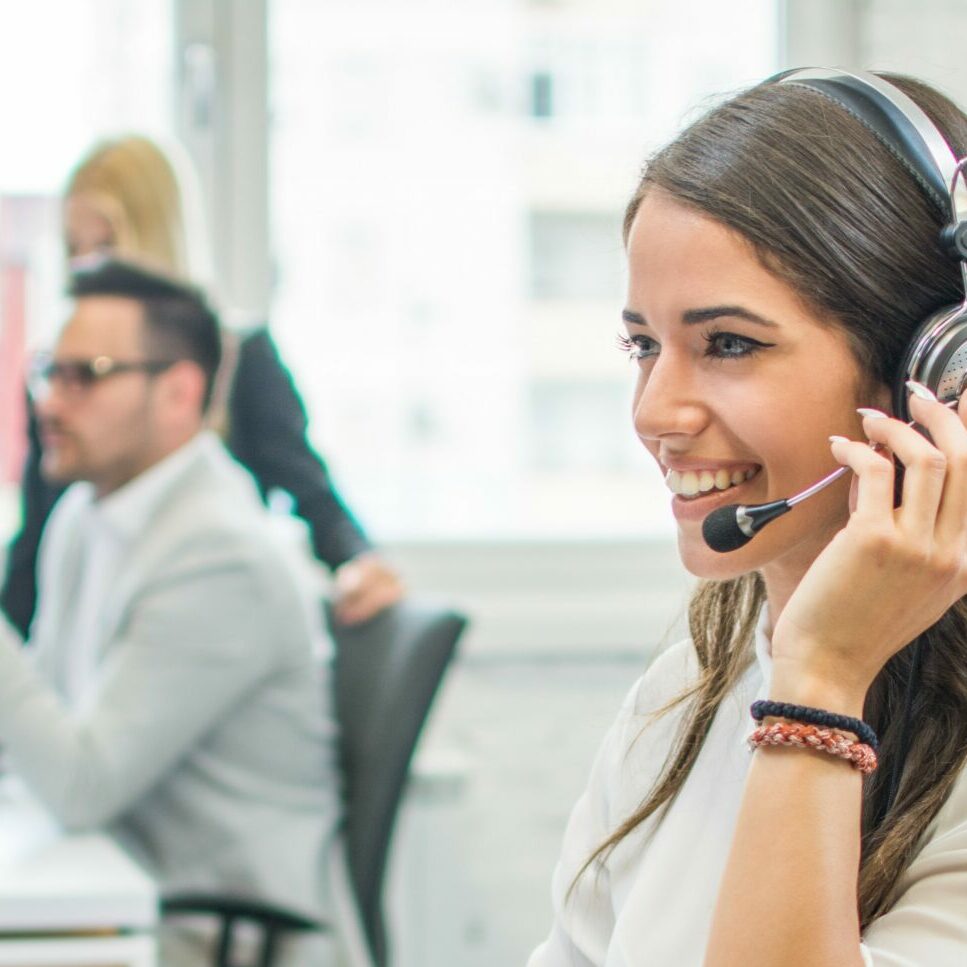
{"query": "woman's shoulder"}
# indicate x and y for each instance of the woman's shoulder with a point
(670, 673)
(648, 718)
(929, 915)
(634, 748)
(949, 827)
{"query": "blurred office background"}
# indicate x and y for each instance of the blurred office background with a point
(425, 199)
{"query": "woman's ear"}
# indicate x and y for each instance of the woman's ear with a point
(883, 398)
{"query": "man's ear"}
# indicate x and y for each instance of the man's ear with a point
(183, 390)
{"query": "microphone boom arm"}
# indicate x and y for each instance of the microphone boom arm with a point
(729, 528)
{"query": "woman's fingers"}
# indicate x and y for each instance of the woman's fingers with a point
(946, 428)
(925, 471)
(933, 506)
(873, 484)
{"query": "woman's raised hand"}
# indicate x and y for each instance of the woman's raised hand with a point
(891, 572)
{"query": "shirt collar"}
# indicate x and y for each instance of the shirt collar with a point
(127, 510)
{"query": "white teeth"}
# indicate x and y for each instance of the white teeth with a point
(690, 483)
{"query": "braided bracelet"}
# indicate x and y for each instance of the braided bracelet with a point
(815, 716)
(830, 741)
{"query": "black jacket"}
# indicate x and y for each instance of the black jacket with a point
(266, 433)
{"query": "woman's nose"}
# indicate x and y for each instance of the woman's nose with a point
(669, 400)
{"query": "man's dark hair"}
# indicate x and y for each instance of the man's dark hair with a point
(179, 323)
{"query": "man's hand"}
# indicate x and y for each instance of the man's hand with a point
(363, 587)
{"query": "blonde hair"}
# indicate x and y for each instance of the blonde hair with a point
(149, 198)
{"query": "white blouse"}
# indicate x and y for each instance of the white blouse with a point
(652, 903)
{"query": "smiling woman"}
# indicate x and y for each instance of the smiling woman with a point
(782, 252)
(702, 300)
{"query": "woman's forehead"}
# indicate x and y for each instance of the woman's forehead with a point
(681, 258)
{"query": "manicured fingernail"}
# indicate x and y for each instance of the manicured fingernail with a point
(838, 439)
(921, 391)
(872, 414)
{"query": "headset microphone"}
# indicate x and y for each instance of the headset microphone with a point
(729, 528)
(732, 527)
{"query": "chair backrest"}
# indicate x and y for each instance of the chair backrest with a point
(387, 671)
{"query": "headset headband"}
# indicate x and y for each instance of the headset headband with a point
(899, 123)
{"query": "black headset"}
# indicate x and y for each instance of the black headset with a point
(937, 352)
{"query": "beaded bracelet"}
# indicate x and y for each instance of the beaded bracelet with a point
(815, 716)
(830, 741)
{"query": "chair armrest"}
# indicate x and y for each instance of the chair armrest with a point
(238, 908)
(271, 920)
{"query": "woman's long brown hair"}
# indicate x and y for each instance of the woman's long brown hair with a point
(833, 213)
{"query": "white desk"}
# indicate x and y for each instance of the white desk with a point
(68, 899)
(430, 900)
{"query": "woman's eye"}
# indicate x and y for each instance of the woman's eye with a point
(637, 347)
(729, 345)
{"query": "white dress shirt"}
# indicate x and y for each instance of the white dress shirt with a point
(110, 526)
(651, 904)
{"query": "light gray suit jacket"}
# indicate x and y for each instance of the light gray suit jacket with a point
(208, 746)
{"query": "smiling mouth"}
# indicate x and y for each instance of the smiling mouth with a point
(695, 484)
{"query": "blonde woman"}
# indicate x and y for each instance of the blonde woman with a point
(130, 198)
(783, 252)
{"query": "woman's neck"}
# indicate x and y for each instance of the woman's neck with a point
(781, 579)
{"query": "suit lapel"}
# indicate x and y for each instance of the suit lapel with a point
(145, 553)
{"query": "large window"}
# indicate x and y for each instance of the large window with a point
(447, 186)
(71, 73)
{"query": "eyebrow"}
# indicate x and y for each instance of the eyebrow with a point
(691, 317)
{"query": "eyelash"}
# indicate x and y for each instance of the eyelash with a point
(749, 345)
(634, 346)
(638, 348)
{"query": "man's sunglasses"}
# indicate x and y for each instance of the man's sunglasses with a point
(76, 376)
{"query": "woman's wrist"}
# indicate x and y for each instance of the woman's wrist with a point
(844, 693)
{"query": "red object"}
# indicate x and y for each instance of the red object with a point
(830, 741)
(13, 411)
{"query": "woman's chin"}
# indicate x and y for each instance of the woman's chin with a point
(701, 561)
(793, 542)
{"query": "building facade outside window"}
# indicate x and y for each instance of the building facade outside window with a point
(446, 194)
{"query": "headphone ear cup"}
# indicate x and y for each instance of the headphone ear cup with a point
(937, 357)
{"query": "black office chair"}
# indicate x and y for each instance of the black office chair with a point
(387, 672)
